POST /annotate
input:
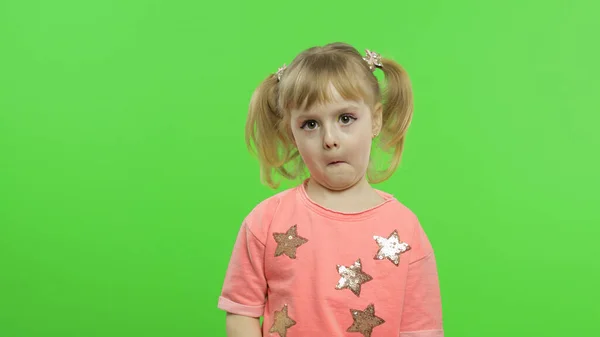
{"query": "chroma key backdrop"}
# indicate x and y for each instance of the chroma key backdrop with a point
(124, 176)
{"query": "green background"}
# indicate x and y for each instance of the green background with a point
(124, 175)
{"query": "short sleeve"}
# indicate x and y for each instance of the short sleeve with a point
(422, 312)
(245, 286)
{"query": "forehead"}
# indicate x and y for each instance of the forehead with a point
(335, 102)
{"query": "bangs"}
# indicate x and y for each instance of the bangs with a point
(311, 81)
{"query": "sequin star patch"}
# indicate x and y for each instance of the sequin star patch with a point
(352, 277)
(282, 322)
(288, 242)
(365, 321)
(391, 247)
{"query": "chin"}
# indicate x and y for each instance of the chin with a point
(336, 178)
(338, 182)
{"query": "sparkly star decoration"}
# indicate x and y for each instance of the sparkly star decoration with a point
(365, 321)
(391, 247)
(282, 322)
(373, 59)
(288, 242)
(352, 277)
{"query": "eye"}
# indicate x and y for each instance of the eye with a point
(347, 119)
(309, 125)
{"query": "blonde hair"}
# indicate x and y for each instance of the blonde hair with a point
(305, 82)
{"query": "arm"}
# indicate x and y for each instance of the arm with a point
(244, 292)
(422, 313)
(242, 326)
(245, 287)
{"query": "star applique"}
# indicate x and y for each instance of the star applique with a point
(352, 277)
(288, 242)
(365, 321)
(282, 322)
(390, 248)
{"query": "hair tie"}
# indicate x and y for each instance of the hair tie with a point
(280, 72)
(373, 59)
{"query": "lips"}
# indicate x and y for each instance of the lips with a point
(336, 162)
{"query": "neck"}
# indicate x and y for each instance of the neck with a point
(356, 198)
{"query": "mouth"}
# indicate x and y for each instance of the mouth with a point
(337, 162)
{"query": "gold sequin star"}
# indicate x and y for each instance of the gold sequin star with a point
(391, 247)
(282, 322)
(352, 277)
(288, 242)
(365, 321)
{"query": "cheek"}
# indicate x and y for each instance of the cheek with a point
(362, 144)
(361, 138)
(305, 146)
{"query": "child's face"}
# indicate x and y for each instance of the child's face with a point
(334, 140)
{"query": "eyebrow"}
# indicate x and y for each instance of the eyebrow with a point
(342, 109)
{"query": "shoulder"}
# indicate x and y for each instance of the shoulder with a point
(418, 240)
(260, 218)
(399, 210)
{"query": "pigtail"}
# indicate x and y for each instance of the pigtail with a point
(396, 116)
(265, 133)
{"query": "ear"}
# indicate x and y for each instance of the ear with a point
(377, 118)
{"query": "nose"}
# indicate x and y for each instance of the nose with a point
(330, 140)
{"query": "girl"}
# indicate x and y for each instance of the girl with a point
(332, 256)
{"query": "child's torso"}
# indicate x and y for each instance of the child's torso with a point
(329, 272)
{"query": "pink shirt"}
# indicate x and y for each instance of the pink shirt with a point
(314, 272)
